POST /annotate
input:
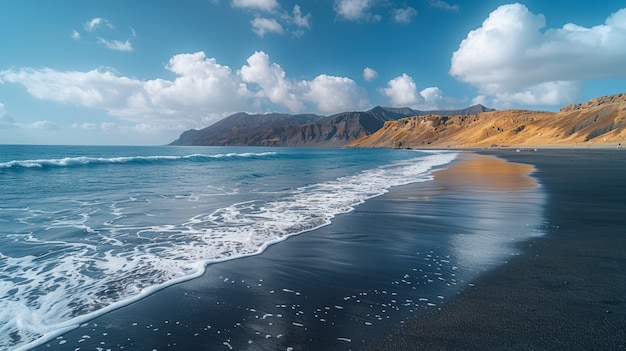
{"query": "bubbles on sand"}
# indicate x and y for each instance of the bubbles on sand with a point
(264, 314)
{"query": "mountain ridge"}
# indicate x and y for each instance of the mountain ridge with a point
(597, 122)
(277, 129)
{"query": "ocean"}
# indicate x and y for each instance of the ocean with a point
(88, 232)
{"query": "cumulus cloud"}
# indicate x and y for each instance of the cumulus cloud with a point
(261, 26)
(355, 10)
(440, 4)
(328, 93)
(202, 87)
(334, 94)
(265, 5)
(369, 74)
(404, 15)
(203, 90)
(512, 58)
(271, 79)
(403, 92)
(75, 35)
(96, 23)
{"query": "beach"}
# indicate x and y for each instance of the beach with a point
(481, 257)
(567, 291)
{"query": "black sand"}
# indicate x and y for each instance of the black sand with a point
(348, 285)
(567, 291)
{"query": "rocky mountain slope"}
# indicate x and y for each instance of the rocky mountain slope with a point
(303, 130)
(598, 122)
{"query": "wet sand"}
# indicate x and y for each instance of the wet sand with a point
(567, 291)
(341, 287)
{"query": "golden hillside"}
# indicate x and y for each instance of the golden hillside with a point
(599, 122)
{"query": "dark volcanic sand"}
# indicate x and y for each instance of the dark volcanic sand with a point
(337, 288)
(567, 291)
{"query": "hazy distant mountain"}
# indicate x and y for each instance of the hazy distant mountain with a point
(598, 122)
(303, 130)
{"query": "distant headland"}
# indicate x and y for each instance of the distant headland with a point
(600, 122)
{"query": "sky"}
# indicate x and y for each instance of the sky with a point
(140, 72)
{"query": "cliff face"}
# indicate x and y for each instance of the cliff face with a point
(599, 122)
(302, 130)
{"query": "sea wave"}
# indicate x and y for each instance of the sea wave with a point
(86, 161)
(69, 282)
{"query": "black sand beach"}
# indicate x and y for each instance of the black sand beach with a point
(567, 291)
(382, 277)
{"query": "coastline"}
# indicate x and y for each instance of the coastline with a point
(566, 291)
(343, 285)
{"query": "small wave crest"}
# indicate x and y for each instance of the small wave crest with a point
(86, 161)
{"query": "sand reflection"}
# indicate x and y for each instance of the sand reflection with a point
(503, 206)
(487, 172)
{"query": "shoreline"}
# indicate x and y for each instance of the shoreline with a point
(336, 286)
(566, 291)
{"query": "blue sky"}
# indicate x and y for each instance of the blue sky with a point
(143, 71)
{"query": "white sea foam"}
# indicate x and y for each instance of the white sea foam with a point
(72, 282)
(85, 160)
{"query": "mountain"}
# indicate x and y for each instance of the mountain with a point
(303, 130)
(237, 128)
(598, 122)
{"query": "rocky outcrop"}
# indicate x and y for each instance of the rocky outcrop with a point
(598, 122)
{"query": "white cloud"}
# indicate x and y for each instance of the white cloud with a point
(404, 15)
(265, 5)
(95, 89)
(116, 44)
(261, 26)
(547, 94)
(369, 74)
(355, 10)
(202, 91)
(96, 23)
(334, 94)
(44, 125)
(3, 110)
(402, 91)
(439, 4)
(202, 87)
(271, 78)
(99, 22)
(275, 19)
(433, 99)
(512, 59)
(299, 20)
(330, 94)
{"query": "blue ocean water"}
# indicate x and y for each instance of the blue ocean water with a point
(85, 230)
